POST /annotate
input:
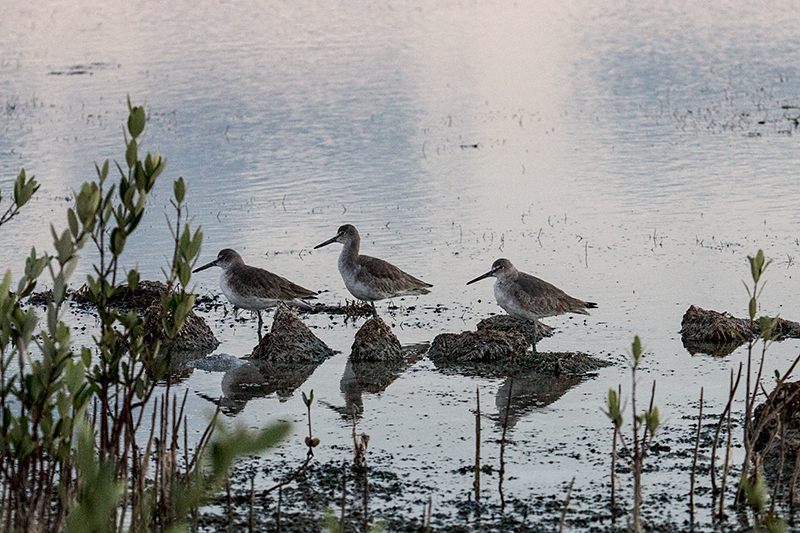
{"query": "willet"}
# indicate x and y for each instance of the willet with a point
(369, 278)
(524, 296)
(255, 289)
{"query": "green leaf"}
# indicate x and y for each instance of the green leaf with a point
(308, 399)
(23, 190)
(72, 221)
(117, 243)
(133, 279)
(136, 121)
(636, 350)
(179, 188)
(132, 153)
(652, 420)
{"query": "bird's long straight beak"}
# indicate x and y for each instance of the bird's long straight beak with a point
(326, 243)
(209, 265)
(482, 276)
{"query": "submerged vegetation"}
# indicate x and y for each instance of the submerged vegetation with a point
(93, 438)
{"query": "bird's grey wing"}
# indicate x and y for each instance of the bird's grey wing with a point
(379, 273)
(279, 287)
(546, 298)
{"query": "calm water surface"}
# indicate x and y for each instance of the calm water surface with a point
(632, 155)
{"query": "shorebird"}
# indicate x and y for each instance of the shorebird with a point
(369, 278)
(255, 289)
(528, 297)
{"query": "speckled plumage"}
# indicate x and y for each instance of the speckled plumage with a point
(524, 296)
(255, 289)
(369, 278)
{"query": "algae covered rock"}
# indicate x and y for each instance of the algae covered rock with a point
(194, 337)
(375, 342)
(510, 323)
(290, 340)
(715, 333)
(485, 345)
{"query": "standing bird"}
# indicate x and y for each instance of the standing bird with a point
(254, 288)
(369, 278)
(527, 297)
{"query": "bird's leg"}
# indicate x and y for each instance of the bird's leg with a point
(374, 310)
(535, 334)
(260, 323)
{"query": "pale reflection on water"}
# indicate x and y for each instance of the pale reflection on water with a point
(632, 155)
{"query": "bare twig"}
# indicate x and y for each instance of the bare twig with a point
(564, 509)
(694, 459)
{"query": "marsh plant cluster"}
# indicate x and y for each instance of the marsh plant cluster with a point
(70, 458)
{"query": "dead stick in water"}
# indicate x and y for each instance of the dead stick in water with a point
(477, 482)
(614, 460)
(344, 495)
(732, 392)
(280, 500)
(430, 514)
(725, 469)
(694, 460)
(230, 506)
(251, 520)
(503, 446)
(564, 509)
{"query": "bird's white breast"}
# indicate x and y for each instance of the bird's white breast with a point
(505, 299)
(349, 274)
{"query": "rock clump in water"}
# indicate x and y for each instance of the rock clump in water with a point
(778, 419)
(510, 323)
(195, 337)
(375, 342)
(500, 347)
(715, 333)
(290, 340)
(485, 345)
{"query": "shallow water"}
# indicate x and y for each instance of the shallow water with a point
(632, 155)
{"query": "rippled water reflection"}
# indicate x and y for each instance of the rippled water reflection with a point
(632, 155)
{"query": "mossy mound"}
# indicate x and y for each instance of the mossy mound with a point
(375, 341)
(715, 333)
(486, 345)
(290, 340)
(510, 323)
